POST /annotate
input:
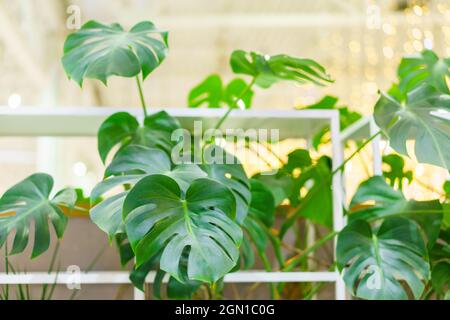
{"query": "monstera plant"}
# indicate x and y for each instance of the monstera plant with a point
(194, 222)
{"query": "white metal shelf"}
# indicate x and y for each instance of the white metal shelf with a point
(119, 277)
(85, 121)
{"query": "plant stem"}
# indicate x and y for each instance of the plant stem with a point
(342, 166)
(297, 259)
(234, 104)
(141, 96)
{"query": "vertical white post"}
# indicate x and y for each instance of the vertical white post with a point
(337, 186)
(376, 152)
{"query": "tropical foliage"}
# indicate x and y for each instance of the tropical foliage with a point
(197, 221)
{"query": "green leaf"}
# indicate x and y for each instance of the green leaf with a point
(130, 165)
(98, 51)
(211, 93)
(346, 117)
(298, 159)
(280, 185)
(260, 218)
(316, 205)
(268, 70)
(238, 89)
(375, 199)
(424, 118)
(397, 172)
(125, 251)
(28, 202)
(123, 129)
(224, 167)
(160, 219)
(208, 92)
(422, 67)
(440, 277)
(377, 261)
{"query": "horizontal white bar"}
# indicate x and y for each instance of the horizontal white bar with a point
(349, 19)
(359, 129)
(85, 121)
(118, 277)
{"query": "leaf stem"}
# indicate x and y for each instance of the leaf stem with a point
(342, 166)
(234, 104)
(141, 96)
(297, 259)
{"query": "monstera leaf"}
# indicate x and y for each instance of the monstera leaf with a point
(122, 128)
(346, 117)
(212, 94)
(98, 51)
(375, 199)
(160, 219)
(267, 70)
(397, 173)
(424, 118)
(129, 166)
(28, 202)
(423, 67)
(224, 167)
(316, 205)
(377, 261)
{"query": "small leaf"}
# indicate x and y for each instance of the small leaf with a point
(28, 202)
(123, 129)
(238, 95)
(211, 93)
(396, 175)
(208, 92)
(117, 128)
(376, 261)
(98, 51)
(424, 118)
(268, 70)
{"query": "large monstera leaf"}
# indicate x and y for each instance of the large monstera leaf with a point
(213, 94)
(98, 51)
(28, 202)
(375, 200)
(267, 70)
(160, 219)
(129, 166)
(123, 129)
(424, 117)
(226, 168)
(378, 260)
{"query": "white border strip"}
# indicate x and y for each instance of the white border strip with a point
(119, 277)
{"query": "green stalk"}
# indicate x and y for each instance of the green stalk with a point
(234, 104)
(141, 96)
(365, 143)
(297, 259)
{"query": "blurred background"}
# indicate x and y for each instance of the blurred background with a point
(360, 42)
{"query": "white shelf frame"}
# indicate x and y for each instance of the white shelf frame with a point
(85, 121)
